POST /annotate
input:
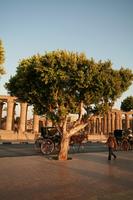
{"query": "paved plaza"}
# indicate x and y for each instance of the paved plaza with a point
(87, 176)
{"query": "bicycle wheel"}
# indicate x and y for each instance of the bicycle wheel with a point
(47, 146)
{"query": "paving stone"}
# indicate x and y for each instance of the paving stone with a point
(87, 176)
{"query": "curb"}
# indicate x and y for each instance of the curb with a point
(15, 142)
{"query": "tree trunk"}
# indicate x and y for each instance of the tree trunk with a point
(63, 154)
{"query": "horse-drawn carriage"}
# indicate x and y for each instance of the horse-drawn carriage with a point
(50, 141)
(124, 139)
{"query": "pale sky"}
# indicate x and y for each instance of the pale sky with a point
(102, 29)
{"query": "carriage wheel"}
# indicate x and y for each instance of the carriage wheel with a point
(37, 145)
(47, 146)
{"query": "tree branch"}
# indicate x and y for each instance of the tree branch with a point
(81, 111)
(64, 127)
(77, 128)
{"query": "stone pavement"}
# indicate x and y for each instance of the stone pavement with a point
(87, 176)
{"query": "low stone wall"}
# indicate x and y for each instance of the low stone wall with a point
(10, 136)
(97, 138)
(16, 137)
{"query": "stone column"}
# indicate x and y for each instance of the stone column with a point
(89, 127)
(109, 122)
(94, 125)
(113, 122)
(116, 120)
(9, 120)
(35, 123)
(127, 121)
(99, 125)
(1, 107)
(120, 120)
(23, 117)
(102, 125)
(105, 124)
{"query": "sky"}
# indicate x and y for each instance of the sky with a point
(102, 29)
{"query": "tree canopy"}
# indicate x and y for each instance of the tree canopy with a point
(57, 82)
(2, 58)
(127, 104)
(61, 82)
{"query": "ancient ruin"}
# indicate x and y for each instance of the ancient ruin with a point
(12, 127)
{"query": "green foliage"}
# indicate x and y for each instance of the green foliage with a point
(2, 58)
(127, 104)
(55, 83)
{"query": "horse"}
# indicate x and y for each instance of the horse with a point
(77, 140)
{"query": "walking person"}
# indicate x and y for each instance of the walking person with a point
(112, 144)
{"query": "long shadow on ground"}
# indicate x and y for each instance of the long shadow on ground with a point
(19, 150)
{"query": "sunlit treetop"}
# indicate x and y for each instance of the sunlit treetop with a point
(127, 104)
(57, 82)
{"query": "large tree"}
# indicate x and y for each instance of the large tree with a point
(127, 104)
(2, 58)
(60, 82)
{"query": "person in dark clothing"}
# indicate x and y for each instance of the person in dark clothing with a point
(112, 144)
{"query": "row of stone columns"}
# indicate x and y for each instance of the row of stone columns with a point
(98, 124)
(108, 123)
(23, 116)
